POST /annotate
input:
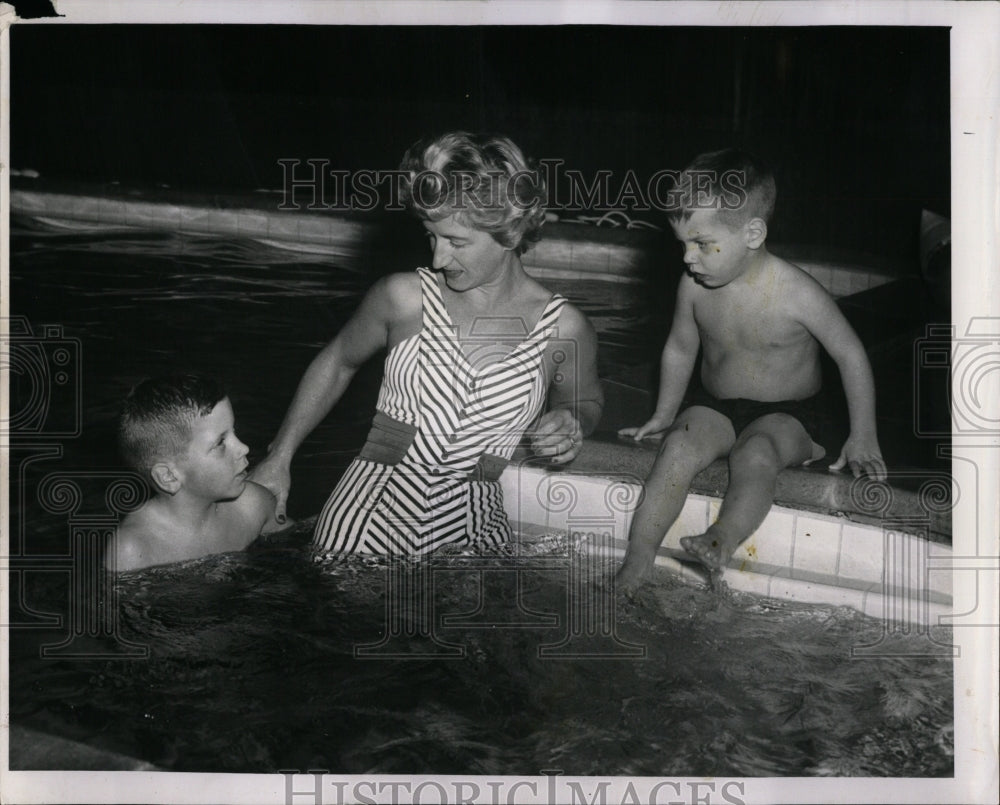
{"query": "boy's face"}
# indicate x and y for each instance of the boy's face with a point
(714, 254)
(215, 464)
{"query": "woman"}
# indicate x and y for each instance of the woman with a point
(475, 348)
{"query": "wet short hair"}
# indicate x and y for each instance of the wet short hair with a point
(733, 182)
(483, 178)
(156, 418)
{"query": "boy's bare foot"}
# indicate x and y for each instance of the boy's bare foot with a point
(707, 549)
(632, 574)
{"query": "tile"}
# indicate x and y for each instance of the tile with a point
(790, 589)
(222, 221)
(840, 284)
(282, 226)
(817, 544)
(714, 505)
(626, 259)
(861, 550)
(526, 493)
(692, 520)
(251, 224)
(142, 213)
(111, 210)
(195, 219)
(858, 281)
(345, 234)
(940, 580)
(598, 505)
(314, 229)
(824, 276)
(772, 542)
(552, 253)
(26, 202)
(748, 582)
(587, 256)
(170, 216)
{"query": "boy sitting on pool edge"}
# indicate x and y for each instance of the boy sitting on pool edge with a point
(178, 432)
(760, 322)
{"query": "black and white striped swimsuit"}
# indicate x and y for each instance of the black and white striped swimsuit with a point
(444, 428)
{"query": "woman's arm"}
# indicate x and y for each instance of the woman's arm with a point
(326, 379)
(576, 398)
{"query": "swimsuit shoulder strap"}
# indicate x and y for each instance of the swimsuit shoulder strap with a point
(435, 313)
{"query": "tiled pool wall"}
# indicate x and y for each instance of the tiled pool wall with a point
(891, 570)
(568, 251)
(892, 563)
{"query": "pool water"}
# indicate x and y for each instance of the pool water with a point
(257, 660)
(252, 668)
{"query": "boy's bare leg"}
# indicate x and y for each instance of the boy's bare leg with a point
(698, 436)
(762, 450)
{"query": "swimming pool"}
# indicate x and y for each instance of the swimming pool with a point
(252, 658)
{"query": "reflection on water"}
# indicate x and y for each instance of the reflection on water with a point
(252, 663)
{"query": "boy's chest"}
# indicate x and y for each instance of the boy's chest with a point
(746, 322)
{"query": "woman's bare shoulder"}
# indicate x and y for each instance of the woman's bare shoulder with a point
(398, 294)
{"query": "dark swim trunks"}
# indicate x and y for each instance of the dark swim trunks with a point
(741, 412)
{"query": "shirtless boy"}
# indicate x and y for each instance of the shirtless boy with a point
(759, 322)
(178, 432)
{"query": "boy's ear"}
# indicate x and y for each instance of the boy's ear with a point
(756, 232)
(166, 478)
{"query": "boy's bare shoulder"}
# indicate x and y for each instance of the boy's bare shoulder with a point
(794, 277)
(134, 544)
(256, 508)
(797, 288)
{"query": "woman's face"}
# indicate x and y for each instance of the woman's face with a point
(467, 257)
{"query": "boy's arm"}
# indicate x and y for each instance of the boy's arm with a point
(676, 364)
(823, 319)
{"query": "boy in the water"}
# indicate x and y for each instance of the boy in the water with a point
(179, 432)
(760, 322)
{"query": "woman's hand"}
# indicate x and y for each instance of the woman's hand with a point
(274, 475)
(558, 434)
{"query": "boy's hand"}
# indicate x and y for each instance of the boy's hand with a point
(651, 428)
(274, 475)
(861, 456)
(558, 434)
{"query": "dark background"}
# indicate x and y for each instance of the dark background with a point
(854, 120)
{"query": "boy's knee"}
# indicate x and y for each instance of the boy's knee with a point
(681, 449)
(756, 452)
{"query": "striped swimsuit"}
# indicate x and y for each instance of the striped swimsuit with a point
(444, 427)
